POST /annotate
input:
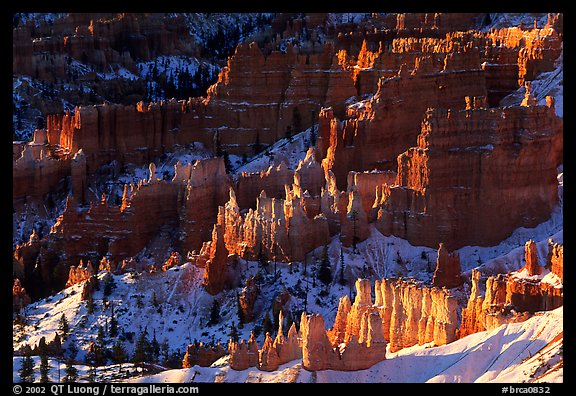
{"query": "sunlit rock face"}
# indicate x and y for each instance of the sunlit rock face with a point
(464, 186)
(514, 297)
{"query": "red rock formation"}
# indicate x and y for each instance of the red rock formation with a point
(80, 273)
(122, 233)
(277, 230)
(272, 181)
(287, 347)
(555, 259)
(354, 227)
(206, 188)
(214, 259)
(367, 184)
(531, 257)
(512, 297)
(448, 269)
(375, 131)
(35, 173)
(456, 160)
(188, 205)
(25, 256)
(202, 355)
(269, 359)
(334, 204)
(409, 314)
(244, 356)
(174, 259)
(415, 314)
(79, 178)
(357, 354)
(19, 296)
(273, 353)
(100, 39)
(89, 287)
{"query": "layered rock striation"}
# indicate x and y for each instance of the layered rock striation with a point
(515, 296)
(475, 176)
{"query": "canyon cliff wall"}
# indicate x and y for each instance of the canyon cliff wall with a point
(452, 187)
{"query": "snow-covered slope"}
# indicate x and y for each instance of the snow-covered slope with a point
(531, 351)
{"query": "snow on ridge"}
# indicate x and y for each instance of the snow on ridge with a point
(515, 352)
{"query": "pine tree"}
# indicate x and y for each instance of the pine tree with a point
(267, 324)
(164, 352)
(72, 351)
(90, 304)
(325, 272)
(139, 302)
(354, 237)
(63, 326)
(141, 348)
(119, 354)
(241, 317)
(109, 285)
(100, 337)
(214, 313)
(342, 281)
(233, 334)
(71, 371)
(26, 371)
(154, 299)
(113, 329)
(154, 348)
(44, 368)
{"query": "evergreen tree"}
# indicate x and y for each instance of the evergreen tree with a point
(313, 136)
(325, 272)
(164, 352)
(154, 299)
(72, 351)
(267, 324)
(141, 348)
(90, 304)
(63, 326)
(109, 285)
(214, 313)
(341, 280)
(100, 337)
(233, 334)
(26, 371)
(119, 354)
(289, 320)
(354, 236)
(241, 317)
(71, 371)
(113, 329)
(44, 368)
(154, 348)
(139, 302)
